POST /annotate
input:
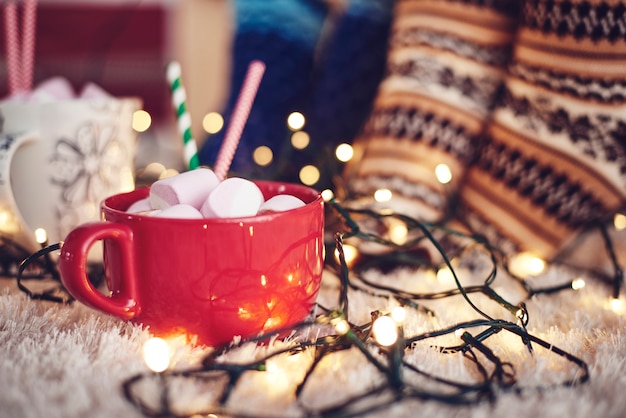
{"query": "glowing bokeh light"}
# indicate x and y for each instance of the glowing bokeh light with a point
(619, 221)
(300, 140)
(445, 276)
(263, 155)
(344, 152)
(397, 231)
(309, 175)
(342, 326)
(385, 331)
(212, 122)
(170, 172)
(443, 173)
(398, 314)
(154, 169)
(617, 305)
(526, 264)
(327, 194)
(578, 284)
(41, 236)
(156, 354)
(350, 253)
(383, 195)
(296, 121)
(141, 121)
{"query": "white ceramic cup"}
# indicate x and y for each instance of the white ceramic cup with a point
(59, 160)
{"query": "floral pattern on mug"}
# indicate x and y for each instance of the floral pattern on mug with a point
(84, 164)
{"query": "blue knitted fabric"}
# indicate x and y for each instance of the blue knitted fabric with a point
(283, 34)
(333, 86)
(351, 67)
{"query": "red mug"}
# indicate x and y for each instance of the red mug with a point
(208, 279)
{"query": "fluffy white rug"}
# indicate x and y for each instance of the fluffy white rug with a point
(69, 361)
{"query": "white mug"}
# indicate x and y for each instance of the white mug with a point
(59, 160)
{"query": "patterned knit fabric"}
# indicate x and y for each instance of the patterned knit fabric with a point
(445, 65)
(554, 157)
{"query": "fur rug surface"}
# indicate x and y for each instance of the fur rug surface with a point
(69, 361)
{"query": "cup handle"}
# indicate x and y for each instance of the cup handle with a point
(72, 265)
(16, 226)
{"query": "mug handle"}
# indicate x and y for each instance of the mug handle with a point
(72, 264)
(16, 228)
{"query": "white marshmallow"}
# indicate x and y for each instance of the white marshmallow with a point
(190, 187)
(281, 203)
(181, 211)
(93, 91)
(52, 89)
(142, 205)
(232, 198)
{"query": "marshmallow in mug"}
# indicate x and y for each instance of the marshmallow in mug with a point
(199, 194)
(191, 188)
(182, 211)
(59, 88)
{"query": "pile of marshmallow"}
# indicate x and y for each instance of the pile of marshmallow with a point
(59, 88)
(198, 194)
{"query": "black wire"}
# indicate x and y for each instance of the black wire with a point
(48, 295)
(496, 374)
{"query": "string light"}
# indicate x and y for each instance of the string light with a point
(619, 221)
(474, 334)
(169, 172)
(341, 326)
(327, 195)
(578, 284)
(445, 276)
(263, 155)
(443, 173)
(212, 122)
(385, 331)
(398, 314)
(154, 169)
(397, 231)
(4, 217)
(383, 195)
(617, 305)
(526, 264)
(300, 140)
(350, 253)
(41, 236)
(296, 121)
(156, 354)
(344, 152)
(141, 121)
(309, 175)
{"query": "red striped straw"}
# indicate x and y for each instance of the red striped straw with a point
(250, 86)
(20, 58)
(12, 47)
(28, 43)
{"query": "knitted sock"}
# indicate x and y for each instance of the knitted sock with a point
(554, 157)
(445, 64)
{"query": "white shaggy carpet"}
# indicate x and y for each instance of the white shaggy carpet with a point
(69, 361)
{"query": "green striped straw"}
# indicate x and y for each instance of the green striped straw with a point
(179, 97)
